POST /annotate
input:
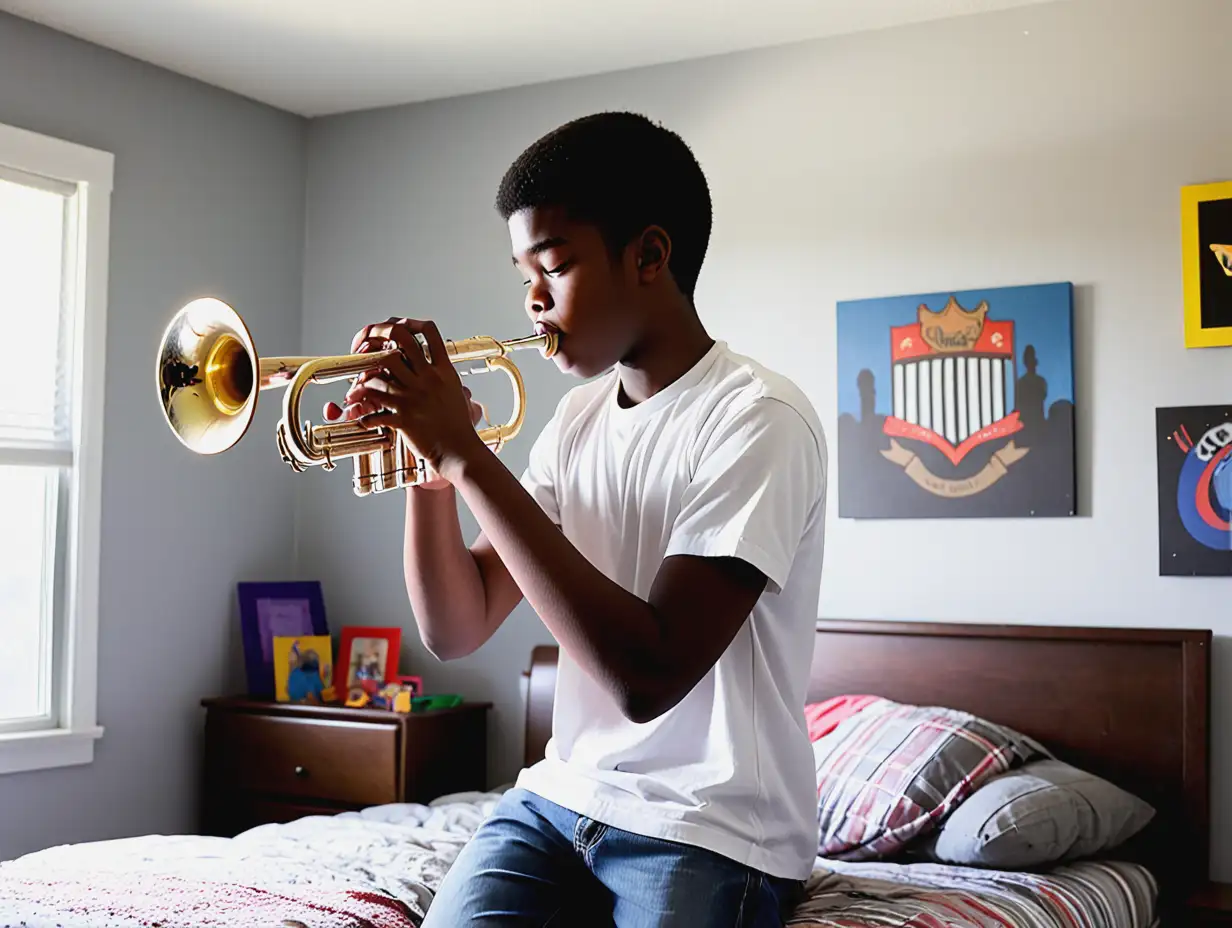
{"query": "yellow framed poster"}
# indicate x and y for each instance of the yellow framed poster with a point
(1206, 249)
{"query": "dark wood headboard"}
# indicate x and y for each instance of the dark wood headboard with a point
(1130, 705)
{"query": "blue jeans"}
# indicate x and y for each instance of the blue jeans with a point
(533, 864)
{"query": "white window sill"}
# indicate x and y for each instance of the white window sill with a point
(41, 750)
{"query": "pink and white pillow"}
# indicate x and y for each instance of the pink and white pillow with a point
(888, 772)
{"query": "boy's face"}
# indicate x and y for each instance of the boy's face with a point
(575, 286)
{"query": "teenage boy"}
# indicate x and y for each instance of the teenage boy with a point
(668, 531)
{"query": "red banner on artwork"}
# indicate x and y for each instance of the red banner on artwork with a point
(996, 339)
(1007, 425)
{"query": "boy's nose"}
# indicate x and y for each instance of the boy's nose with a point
(538, 300)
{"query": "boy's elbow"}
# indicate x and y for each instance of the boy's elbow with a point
(645, 706)
(443, 649)
(651, 691)
(640, 712)
(449, 636)
(437, 649)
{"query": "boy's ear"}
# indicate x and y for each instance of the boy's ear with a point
(654, 249)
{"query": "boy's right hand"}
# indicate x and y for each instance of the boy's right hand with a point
(333, 412)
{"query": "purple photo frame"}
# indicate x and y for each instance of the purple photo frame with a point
(275, 608)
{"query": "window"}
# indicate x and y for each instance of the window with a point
(54, 218)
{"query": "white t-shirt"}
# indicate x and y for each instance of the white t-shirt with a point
(728, 460)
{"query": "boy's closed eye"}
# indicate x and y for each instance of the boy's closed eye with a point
(556, 271)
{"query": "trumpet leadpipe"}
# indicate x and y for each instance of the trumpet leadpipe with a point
(483, 347)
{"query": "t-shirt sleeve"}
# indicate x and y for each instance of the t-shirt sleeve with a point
(758, 481)
(540, 476)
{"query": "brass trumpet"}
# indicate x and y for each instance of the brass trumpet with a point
(209, 376)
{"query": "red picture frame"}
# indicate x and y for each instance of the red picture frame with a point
(367, 658)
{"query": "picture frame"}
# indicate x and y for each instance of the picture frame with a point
(303, 669)
(1206, 254)
(368, 657)
(269, 609)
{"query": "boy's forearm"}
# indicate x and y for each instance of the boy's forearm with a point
(616, 636)
(443, 582)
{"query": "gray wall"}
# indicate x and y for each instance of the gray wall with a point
(1039, 144)
(208, 199)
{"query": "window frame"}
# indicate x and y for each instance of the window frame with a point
(70, 740)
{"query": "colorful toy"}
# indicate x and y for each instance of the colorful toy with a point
(438, 701)
(383, 698)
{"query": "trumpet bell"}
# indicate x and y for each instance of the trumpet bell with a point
(207, 376)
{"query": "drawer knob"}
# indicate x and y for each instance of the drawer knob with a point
(301, 771)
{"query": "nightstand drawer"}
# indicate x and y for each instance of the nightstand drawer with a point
(274, 762)
(345, 762)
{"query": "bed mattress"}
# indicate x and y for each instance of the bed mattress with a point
(380, 868)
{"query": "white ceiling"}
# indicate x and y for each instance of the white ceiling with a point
(315, 57)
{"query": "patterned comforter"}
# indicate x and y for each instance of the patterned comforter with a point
(1088, 894)
(379, 869)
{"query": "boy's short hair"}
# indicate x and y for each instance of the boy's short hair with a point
(619, 172)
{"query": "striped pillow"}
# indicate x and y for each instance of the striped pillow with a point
(891, 772)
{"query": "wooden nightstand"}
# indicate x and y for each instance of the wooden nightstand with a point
(274, 762)
(1210, 906)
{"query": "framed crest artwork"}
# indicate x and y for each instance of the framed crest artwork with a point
(1194, 453)
(1206, 252)
(957, 404)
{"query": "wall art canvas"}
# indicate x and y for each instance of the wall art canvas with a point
(957, 404)
(1206, 250)
(1194, 454)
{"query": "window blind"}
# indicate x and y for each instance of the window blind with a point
(36, 226)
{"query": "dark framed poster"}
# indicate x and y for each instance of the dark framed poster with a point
(1194, 454)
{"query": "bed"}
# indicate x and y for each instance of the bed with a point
(1130, 705)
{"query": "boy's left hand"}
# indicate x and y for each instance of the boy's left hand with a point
(423, 399)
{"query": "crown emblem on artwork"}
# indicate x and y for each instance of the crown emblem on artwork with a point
(952, 328)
